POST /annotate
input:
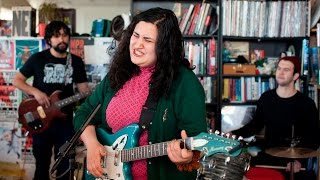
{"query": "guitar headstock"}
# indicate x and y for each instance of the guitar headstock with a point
(209, 144)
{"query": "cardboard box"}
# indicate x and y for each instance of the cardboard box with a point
(239, 69)
(23, 21)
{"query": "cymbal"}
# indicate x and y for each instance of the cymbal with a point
(292, 152)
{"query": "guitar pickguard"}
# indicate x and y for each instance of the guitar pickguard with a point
(124, 139)
(112, 165)
(37, 118)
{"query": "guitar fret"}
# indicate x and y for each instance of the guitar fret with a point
(149, 151)
(139, 153)
(164, 148)
(131, 154)
(123, 156)
(158, 149)
(154, 150)
(71, 99)
(144, 152)
(136, 153)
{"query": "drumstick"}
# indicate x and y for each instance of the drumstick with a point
(275, 167)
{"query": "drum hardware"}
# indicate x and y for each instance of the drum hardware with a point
(293, 153)
(224, 167)
(275, 167)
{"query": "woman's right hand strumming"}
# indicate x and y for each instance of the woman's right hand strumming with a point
(95, 151)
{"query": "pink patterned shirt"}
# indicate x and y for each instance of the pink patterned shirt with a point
(125, 109)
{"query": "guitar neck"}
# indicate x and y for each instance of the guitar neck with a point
(148, 151)
(71, 99)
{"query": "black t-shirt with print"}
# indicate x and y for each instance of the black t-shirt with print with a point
(49, 73)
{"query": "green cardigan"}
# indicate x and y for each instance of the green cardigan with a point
(183, 110)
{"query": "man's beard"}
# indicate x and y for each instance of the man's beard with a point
(60, 49)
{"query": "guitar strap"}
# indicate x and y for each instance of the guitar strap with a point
(147, 112)
(67, 67)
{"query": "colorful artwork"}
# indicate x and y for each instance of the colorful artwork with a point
(44, 44)
(236, 48)
(5, 28)
(96, 72)
(6, 54)
(24, 49)
(10, 146)
(10, 96)
(77, 46)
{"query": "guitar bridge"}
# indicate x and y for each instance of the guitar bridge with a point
(29, 117)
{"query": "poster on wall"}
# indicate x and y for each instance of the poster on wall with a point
(68, 16)
(10, 96)
(6, 77)
(44, 45)
(100, 52)
(96, 72)
(5, 28)
(10, 145)
(8, 115)
(24, 49)
(26, 151)
(6, 54)
(76, 46)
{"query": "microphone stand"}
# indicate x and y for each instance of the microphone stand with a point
(66, 148)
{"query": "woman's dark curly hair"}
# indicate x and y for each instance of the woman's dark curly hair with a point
(169, 53)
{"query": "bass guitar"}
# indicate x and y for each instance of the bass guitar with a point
(37, 118)
(122, 149)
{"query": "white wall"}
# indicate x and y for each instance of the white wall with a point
(86, 15)
(5, 14)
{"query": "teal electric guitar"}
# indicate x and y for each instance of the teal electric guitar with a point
(122, 149)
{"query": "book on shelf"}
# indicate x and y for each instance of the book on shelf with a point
(212, 25)
(177, 9)
(305, 57)
(211, 64)
(243, 89)
(193, 20)
(265, 18)
(318, 34)
(204, 18)
(186, 18)
(314, 65)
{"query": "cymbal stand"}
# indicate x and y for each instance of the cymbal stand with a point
(292, 169)
(294, 142)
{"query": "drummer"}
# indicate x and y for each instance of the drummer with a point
(290, 119)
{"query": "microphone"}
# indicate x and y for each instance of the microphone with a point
(67, 146)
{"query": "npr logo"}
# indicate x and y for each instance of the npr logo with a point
(23, 21)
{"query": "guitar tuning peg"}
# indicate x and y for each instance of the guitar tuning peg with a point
(222, 134)
(227, 135)
(216, 132)
(240, 138)
(234, 137)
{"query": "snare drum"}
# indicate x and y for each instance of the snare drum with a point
(223, 166)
